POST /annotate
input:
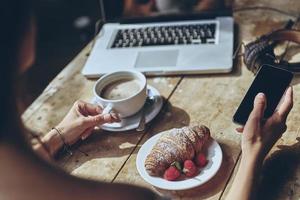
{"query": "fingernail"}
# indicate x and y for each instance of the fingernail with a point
(106, 117)
(115, 116)
(260, 95)
(83, 137)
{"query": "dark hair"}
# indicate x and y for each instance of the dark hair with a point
(15, 18)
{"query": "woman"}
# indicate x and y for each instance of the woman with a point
(23, 175)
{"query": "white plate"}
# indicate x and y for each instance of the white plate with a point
(214, 157)
(132, 122)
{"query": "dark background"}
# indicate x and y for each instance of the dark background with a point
(64, 27)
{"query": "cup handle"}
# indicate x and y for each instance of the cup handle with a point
(107, 109)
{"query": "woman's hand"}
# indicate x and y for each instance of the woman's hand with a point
(78, 124)
(81, 121)
(258, 137)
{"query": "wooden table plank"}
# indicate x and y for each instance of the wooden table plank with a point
(51, 106)
(106, 151)
(209, 100)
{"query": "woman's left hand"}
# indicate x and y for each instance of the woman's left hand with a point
(81, 120)
(258, 137)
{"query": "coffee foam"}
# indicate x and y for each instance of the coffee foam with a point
(121, 89)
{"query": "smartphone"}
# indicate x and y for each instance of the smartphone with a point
(271, 81)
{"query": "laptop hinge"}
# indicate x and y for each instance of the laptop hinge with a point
(175, 17)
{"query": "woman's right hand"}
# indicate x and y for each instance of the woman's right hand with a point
(258, 137)
(81, 120)
(78, 124)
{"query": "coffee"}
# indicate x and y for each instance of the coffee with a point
(121, 89)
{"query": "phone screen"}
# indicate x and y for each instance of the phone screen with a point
(272, 82)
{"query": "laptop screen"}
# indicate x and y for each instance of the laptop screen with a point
(118, 10)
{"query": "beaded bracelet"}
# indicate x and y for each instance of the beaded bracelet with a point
(66, 147)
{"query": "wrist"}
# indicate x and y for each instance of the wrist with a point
(63, 130)
(247, 176)
(53, 141)
(252, 162)
(253, 154)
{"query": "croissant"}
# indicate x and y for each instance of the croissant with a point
(178, 144)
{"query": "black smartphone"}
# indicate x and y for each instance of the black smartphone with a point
(271, 81)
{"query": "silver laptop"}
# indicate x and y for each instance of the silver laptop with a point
(170, 43)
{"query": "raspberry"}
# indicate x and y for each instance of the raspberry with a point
(172, 173)
(189, 168)
(201, 160)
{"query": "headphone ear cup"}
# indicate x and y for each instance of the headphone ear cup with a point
(258, 53)
(255, 66)
(265, 58)
(251, 55)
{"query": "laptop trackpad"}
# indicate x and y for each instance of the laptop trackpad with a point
(166, 58)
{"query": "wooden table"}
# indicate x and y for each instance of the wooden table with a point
(202, 99)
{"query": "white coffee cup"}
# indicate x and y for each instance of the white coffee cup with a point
(127, 106)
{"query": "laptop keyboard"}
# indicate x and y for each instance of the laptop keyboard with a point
(166, 35)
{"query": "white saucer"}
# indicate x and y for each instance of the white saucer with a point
(132, 122)
(214, 157)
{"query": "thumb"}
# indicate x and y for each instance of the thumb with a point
(253, 123)
(100, 119)
(91, 121)
(259, 106)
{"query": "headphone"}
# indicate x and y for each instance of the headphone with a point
(261, 51)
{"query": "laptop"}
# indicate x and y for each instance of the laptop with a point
(163, 41)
